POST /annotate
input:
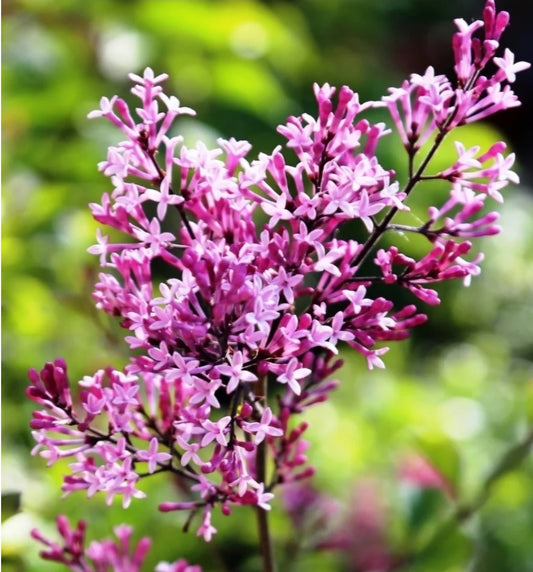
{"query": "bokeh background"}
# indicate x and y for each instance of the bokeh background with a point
(454, 398)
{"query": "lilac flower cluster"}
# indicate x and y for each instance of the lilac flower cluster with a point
(260, 283)
(101, 556)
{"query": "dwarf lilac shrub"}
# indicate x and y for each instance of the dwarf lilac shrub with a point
(239, 334)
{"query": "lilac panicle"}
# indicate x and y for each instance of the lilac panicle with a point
(261, 282)
(101, 556)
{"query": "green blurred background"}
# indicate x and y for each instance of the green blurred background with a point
(459, 393)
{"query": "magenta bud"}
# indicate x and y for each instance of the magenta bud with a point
(246, 410)
(226, 510)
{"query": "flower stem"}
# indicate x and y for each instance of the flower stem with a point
(265, 540)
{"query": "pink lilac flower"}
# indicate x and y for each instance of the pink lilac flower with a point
(102, 556)
(263, 427)
(216, 431)
(263, 498)
(152, 457)
(249, 309)
(235, 371)
(291, 374)
(206, 529)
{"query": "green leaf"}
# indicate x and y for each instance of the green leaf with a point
(448, 548)
(424, 506)
(10, 504)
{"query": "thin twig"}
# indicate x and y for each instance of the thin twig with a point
(265, 540)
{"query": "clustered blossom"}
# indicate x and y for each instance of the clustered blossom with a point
(236, 279)
(102, 556)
